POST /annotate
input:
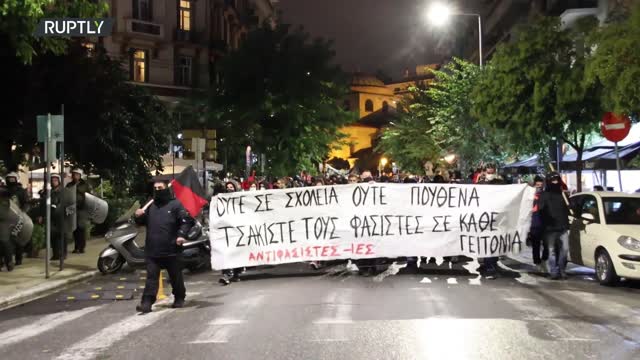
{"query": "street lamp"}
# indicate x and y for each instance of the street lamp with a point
(439, 15)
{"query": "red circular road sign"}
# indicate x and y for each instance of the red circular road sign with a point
(615, 127)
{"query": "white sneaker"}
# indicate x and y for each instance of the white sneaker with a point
(543, 268)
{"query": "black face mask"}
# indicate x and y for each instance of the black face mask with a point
(556, 188)
(162, 196)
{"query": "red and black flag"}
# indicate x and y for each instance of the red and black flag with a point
(189, 192)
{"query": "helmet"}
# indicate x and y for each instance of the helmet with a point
(77, 171)
(13, 175)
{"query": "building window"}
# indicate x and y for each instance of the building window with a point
(139, 66)
(142, 10)
(185, 70)
(185, 15)
(368, 105)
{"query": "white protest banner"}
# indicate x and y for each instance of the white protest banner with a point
(368, 221)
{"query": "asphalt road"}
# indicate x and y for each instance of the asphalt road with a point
(292, 312)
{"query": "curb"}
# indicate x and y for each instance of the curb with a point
(43, 290)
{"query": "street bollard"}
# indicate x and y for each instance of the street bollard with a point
(161, 295)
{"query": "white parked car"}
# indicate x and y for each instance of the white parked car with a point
(605, 234)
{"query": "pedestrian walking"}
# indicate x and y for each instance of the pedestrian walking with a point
(555, 221)
(82, 214)
(168, 224)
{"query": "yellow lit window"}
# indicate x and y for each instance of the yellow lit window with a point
(139, 66)
(185, 15)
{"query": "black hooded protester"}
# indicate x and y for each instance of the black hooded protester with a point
(554, 211)
(168, 224)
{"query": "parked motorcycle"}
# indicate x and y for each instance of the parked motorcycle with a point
(196, 252)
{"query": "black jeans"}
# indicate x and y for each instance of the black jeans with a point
(6, 251)
(56, 246)
(173, 265)
(536, 242)
(80, 238)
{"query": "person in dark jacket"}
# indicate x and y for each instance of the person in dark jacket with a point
(57, 225)
(168, 224)
(80, 234)
(555, 221)
(18, 194)
(536, 231)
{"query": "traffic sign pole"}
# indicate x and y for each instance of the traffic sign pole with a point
(615, 128)
(618, 166)
(47, 185)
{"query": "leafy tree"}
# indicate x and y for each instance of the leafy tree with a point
(19, 18)
(615, 63)
(437, 121)
(112, 127)
(534, 88)
(281, 95)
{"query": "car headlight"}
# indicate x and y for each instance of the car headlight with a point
(630, 243)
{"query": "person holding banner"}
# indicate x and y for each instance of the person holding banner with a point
(555, 219)
(168, 224)
(490, 177)
(229, 275)
(536, 232)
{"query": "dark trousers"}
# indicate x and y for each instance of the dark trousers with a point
(6, 251)
(56, 246)
(173, 266)
(80, 238)
(491, 265)
(537, 241)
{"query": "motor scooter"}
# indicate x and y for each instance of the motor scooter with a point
(123, 248)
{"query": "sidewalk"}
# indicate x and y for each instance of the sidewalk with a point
(27, 282)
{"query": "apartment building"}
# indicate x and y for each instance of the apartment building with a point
(173, 46)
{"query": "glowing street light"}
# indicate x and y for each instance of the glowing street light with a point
(439, 14)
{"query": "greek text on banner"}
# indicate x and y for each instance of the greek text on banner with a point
(368, 221)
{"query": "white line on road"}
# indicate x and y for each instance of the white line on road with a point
(94, 345)
(220, 330)
(452, 281)
(43, 324)
(425, 280)
(476, 281)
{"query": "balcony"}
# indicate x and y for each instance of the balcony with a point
(154, 30)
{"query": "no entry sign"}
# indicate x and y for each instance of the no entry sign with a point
(615, 127)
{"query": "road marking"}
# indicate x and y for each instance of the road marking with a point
(92, 346)
(452, 281)
(425, 280)
(220, 330)
(477, 281)
(43, 324)
(330, 327)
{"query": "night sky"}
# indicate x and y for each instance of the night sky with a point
(369, 35)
